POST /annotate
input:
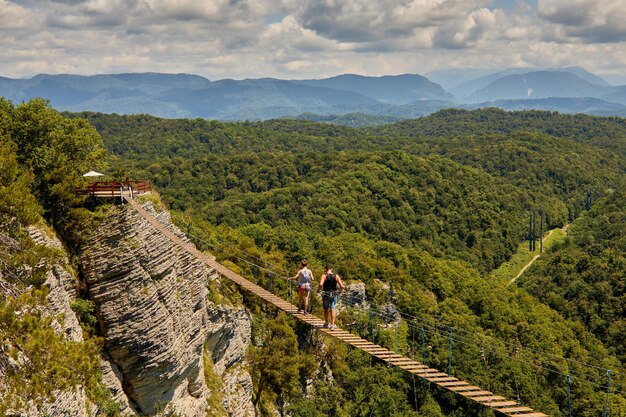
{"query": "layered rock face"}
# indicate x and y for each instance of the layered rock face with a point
(228, 338)
(151, 302)
(61, 284)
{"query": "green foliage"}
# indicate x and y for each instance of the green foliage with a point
(584, 278)
(604, 132)
(17, 206)
(214, 384)
(57, 151)
(85, 311)
(41, 158)
(523, 256)
(287, 173)
(275, 364)
(100, 395)
(49, 361)
(350, 119)
(374, 390)
(428, 206)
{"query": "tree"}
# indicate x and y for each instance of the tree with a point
(275, 363)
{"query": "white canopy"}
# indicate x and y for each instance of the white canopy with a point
(93, 174)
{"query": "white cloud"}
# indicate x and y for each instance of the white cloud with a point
(596, 21)
(367, 21)
(14, 16)
(462, 33)
(295, 39)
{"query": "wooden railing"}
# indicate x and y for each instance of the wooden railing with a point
(115, 188)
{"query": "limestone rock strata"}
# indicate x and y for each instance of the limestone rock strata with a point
(152, 306)
(228, 338)
(61, 290)
(61, 284)
(112, 379)
(238, 392)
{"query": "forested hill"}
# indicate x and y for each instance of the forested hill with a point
(429, 207)
(605, 132)
(318, 178)
(584, 278)
(577, 165)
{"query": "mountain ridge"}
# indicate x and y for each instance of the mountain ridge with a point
(538, 84)
(399, 96)
(390, 89)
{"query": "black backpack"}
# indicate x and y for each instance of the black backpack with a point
(330, 284)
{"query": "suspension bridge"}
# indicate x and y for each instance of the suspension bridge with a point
(444, 380)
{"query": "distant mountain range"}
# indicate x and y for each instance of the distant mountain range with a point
(396, 89)
(537, 85)
(567, 90)
(462, 91)
(585, 105)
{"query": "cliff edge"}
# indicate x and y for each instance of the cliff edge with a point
(153, 309)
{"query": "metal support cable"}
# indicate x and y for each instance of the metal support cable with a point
(434, 326)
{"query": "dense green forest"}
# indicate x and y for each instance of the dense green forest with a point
(420, 219)
(604, 132)
(584, 278)
(428, 206)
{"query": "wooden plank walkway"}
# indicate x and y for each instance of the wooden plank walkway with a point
(471, 392)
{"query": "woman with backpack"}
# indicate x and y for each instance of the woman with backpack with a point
(305, 279)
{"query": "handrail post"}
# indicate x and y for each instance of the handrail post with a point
(569, 395)
(424, 353)
(372, 326)
(608, 389)
(450, 354)
(396, 336)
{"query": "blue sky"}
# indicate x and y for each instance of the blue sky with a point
(309, 39)
(510, 4)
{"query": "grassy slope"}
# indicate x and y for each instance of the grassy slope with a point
(511, 268)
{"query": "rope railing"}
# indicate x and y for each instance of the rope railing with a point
(425, 326)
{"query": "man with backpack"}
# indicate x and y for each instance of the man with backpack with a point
(330, 285)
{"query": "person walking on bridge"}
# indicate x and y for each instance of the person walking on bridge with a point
(331, 285)
(304, 278)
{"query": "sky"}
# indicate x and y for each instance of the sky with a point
(294, 39)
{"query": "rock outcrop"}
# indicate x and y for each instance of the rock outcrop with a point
(61, 285)
(228, 338)
(152, 303)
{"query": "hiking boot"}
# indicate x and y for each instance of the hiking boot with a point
(325, 326)
(331, 327)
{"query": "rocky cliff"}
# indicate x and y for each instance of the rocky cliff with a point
(60, 282)
(153, 308)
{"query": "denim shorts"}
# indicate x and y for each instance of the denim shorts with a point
(330, 301)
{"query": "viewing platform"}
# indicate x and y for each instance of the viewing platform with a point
(112, 189)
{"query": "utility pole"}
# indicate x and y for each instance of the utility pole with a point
(530, 230)
(534, 232)
(541, 233)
